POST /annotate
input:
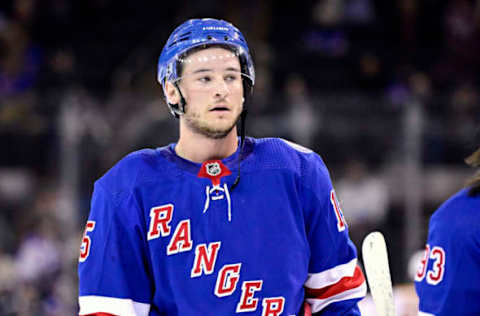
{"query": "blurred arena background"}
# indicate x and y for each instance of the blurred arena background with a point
(385, 91)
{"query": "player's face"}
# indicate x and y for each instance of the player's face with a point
(211, 84)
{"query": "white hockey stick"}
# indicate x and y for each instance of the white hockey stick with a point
(375, 260)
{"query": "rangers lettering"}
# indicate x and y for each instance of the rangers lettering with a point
(227, 279)
(247, 302)
(273, 306)
(205, 259)
(181, 240)
(160, 218)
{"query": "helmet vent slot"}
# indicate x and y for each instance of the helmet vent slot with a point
(178, 41)
(185, 34)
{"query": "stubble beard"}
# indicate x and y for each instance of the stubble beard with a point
(202, 128)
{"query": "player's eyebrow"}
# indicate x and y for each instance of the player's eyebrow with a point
(232, 69)
(201, 70)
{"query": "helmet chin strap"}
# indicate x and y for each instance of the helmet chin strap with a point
(243, 117)
(179, 108)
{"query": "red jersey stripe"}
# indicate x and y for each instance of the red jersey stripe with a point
(344, 284)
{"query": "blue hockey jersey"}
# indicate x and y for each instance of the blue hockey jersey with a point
(448, 279)
(167, 236)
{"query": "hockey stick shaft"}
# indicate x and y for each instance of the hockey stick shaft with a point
(375, 259)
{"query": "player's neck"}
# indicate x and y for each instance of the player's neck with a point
(200, 148)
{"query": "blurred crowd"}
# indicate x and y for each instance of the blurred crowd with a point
(376, 87)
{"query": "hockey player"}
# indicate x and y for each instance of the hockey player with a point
(448, 279)
(216, 224)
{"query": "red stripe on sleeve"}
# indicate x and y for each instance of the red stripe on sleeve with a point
(99, 314)
(342, 285)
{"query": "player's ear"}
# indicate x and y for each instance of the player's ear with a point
(173, 96)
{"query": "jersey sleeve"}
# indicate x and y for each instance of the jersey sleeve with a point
(114, 267)
(335, 282)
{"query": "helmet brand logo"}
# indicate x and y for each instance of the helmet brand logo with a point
(215, 28)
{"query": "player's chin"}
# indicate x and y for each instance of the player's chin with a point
(220, 131)
(222, 122)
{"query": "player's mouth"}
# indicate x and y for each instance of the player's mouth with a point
(219, 108)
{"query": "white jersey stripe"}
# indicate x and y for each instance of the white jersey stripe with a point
(425, 314)
(91, 304)
(319, 304)
(331, 276)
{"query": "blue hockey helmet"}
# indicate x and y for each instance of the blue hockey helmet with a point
(198, 33)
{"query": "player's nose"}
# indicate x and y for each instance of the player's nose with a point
(221, 88)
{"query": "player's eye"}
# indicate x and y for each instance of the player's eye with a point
(205, 79)
(231, 77)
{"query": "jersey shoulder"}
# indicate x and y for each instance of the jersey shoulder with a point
(458, 204)
(282, 154)
(456, 215)
(135, 168)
